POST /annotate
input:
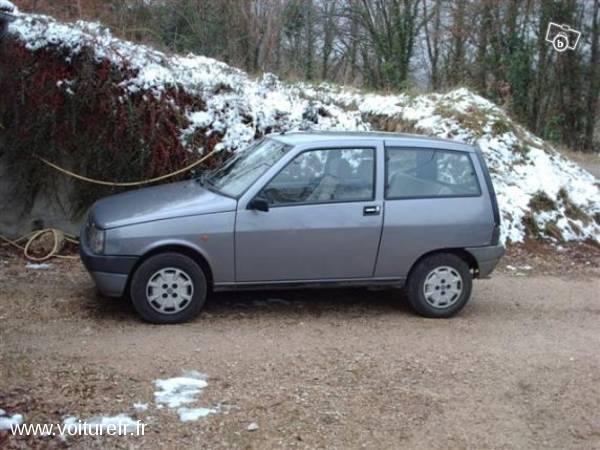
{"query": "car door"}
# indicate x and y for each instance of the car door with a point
(324, 219)
(433, 201)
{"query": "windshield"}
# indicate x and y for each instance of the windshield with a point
(246, 166)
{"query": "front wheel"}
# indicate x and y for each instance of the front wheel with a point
(168, 288)
(439, 286)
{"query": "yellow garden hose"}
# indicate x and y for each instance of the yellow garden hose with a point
(59, 235)
(127, 183)
(30, 238)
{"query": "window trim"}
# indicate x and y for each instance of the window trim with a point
(423, 197)
(316, 149)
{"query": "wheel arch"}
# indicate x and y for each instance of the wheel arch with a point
(189, 251)
(467, 257)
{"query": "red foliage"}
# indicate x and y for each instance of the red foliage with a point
(75, 107)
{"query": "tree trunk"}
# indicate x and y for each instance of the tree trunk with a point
(328, 36)
(310, 40)
(353, 50)
(432, 40)
(482, 44)
(458, 43)
(594, 81)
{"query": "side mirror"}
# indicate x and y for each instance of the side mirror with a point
(259, 204)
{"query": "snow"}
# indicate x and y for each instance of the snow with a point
(240, 108)
(192, 414)
(33, 266)
(174, 392)
(140, 407)
(200, 119)
(6, 422)
(7, 6)
(184, 390)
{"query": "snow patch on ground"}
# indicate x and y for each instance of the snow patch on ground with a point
(140, 407)
(6, 421)
(33, 266)
(192, 414)
(176, 392)
(239, 108)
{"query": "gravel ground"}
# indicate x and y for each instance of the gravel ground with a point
(518, 368)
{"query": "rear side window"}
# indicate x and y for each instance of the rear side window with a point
(424, 173)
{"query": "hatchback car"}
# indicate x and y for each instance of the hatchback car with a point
(304, 210)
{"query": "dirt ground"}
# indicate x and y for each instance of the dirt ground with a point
(518, 368)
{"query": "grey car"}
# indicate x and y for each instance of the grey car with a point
(309, 209)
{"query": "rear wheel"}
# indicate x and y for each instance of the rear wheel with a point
(168, 288)
(439, 286)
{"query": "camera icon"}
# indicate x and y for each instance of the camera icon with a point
(562, 37)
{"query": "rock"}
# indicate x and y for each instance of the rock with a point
(252, 427)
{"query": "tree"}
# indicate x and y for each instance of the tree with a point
(593, 95)
(496, 46)
(482, 66)
(456, 63)
(432, 40)
(293, 24)
(329, 31)
(391, 28)
(309, 14)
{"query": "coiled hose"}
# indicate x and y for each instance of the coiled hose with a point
(59, 237)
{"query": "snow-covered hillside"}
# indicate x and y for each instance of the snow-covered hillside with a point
(7, 6)
(540, 192)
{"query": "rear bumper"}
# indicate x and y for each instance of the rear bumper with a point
(110, 273)
(487, 258)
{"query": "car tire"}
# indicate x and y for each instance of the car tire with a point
(439, 286)
(168, 288)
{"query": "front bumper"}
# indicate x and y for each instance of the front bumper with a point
(487, 258)
(110, 273)
(110, 284)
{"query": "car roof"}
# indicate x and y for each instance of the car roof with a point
(345, 137)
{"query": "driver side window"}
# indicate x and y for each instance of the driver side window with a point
(324, 176)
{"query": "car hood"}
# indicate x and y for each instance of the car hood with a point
(186, 198)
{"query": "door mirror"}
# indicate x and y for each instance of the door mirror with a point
(259, 204)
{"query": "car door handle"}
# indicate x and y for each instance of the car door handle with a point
(371, 210)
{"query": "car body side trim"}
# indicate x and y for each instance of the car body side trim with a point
(306, 284)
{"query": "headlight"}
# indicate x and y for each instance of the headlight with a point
(96, 239)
